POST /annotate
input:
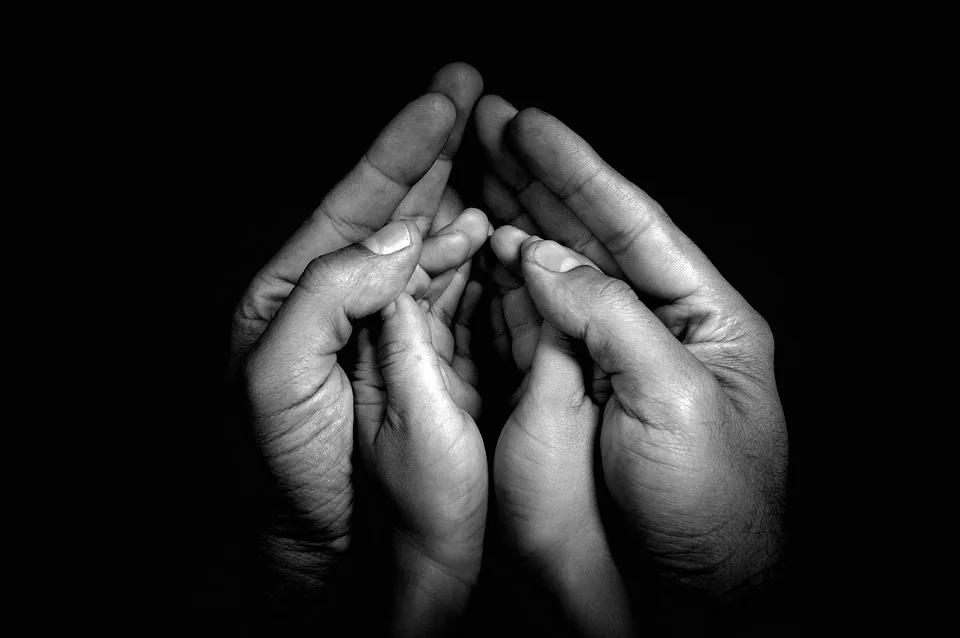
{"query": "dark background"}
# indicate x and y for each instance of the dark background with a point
(727, 139)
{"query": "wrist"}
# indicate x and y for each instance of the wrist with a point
(301, 582)
(432, 586)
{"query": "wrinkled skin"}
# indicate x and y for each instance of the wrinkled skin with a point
(679, 383)
(298, 314)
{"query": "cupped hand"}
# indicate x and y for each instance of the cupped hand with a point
(693, 439)
(545, 471)
(298, 314)
(427, 458)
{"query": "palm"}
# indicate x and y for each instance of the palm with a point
(692, 438)
(429, 456)
(303, 416)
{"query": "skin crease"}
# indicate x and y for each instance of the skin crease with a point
(647, 390)
(298, 313)
(692, 440)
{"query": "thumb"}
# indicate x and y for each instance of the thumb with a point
(624, 338)
(417, 396)
(298, 350)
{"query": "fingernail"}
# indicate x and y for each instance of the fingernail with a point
(555, 257)
(489, 230)
(389, 239)
(389, 309)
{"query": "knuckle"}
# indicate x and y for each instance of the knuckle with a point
(260, 376)
(437, 106)
(323, 273)
(623, 238)
(764, 332)
(399, 354)
(608, 293)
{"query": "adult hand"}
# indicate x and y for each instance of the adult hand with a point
(298, 311)
(693, 439)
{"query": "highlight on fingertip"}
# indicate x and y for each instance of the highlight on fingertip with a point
(554, 257)
(392, 238)
(506, 243)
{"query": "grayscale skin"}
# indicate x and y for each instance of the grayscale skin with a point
(393, 241)
(682, 397)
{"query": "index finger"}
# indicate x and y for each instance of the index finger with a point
(654, 254)
(462, 84)
(364, 200)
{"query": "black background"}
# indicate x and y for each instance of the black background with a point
(726, 138)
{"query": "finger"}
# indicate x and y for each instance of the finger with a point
(625, 339)
(445, 306)
(443, 252)
(557, 222)
(463, 363)
(507, 242)
(505, 280)
(521, 195)
(367, 381)
(446, 290)
(417, 397)
(454, 244)
(364, 200)
(299, 348)
(423, 200)
(520, 315)
(463, 394)
(451, 205)
(440, 333)
(555, 413)
(523, 323)
(419, 283)
(504, 206)
(656, 257)
(462, 84)
(499, 331)
(556, 384)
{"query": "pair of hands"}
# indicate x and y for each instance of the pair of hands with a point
(676, 390)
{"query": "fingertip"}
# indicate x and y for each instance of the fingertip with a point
(462, 247)
(435, 110)
(492, 104)
(492, 113)
(530, 123)
(506, 243)
(399, 305)
(408, 146)
(416, 237)
(458, 79)
(474, 289)
(477, 220)
(539, 138)
(473, 223)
